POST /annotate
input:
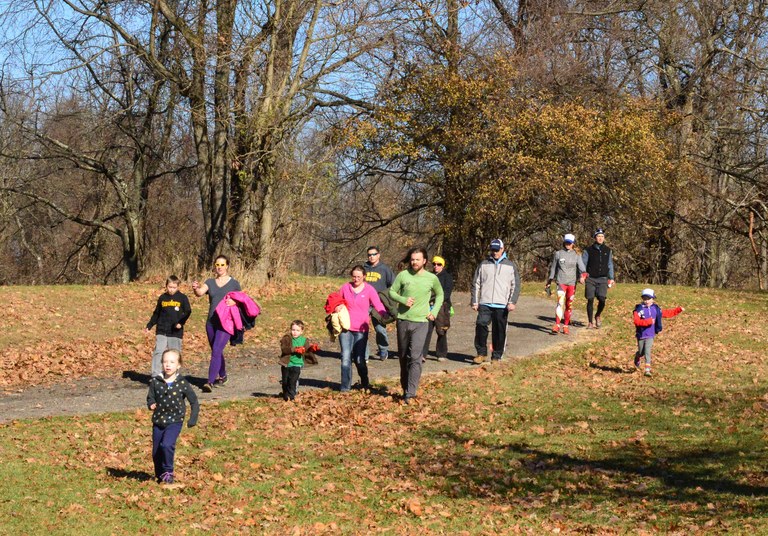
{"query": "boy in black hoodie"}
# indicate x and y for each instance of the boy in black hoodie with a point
(171, 312)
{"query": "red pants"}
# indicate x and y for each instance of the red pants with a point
(565, 295)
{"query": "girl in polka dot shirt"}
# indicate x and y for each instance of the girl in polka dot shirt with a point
(166, 399)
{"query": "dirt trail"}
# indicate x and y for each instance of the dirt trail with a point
(256, 374)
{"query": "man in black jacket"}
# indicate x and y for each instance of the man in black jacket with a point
(598, 258)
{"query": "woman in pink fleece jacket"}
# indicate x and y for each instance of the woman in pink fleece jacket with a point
(360, 297)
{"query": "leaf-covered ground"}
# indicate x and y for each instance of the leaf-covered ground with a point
(68, 332)
(569, 442)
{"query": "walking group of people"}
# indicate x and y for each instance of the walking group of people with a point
(419, 301)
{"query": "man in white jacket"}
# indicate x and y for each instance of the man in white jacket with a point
(495, 289)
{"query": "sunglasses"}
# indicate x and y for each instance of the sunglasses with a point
(437, 263)
(219, 264)
(372, 254)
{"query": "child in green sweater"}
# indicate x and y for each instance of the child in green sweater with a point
(295, 349)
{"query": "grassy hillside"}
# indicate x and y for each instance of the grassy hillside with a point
(573, 441)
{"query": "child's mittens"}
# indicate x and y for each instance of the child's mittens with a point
(314, 347)
(299, 350)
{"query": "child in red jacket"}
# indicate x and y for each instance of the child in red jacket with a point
(647, 317)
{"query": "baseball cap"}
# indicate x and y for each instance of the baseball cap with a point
(496, 244)
(569, 239)
(647, 293)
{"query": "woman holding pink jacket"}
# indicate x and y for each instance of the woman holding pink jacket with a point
(217, 290)
(360, 297)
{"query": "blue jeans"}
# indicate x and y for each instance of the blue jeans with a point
(382, 338)
(353, 348)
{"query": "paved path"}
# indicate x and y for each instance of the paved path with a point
(256, 374)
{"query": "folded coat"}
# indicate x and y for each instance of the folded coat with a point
(231, 318)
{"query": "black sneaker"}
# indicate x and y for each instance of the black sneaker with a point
(207, 388)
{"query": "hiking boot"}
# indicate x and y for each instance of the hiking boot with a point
(556, 328)
(637, 362)
(647, 372)
(479, 359)
(166, 478)
(207, 388)
(495, 359)
(598, 322)
(220, 382)
(566, 330)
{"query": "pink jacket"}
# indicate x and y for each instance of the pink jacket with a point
(229, 316)
(359, 305)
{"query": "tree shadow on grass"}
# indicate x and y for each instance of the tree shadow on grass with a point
(516, 470)
(141, 476)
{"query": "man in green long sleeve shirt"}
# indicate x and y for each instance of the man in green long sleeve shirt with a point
(412, 290)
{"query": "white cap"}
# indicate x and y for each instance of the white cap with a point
(648, 292)
(569, 238)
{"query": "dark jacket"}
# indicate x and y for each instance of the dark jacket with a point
(286, 349)
(598, 260)
(389, 304)
(169, 311)
(380, 276)
(446, 281)
(170, 401)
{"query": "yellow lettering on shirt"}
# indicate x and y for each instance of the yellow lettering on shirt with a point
(372, 277)
(171, 303)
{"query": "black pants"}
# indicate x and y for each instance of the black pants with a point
(442, 341)
(497, 317)
(290, 381)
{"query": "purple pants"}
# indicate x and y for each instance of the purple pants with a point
(218, 339)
